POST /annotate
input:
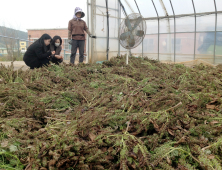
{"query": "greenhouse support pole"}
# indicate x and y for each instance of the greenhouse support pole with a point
(169, 43)
(87, 58)
(92, 17)
(215, 36)
(107, 48)
(119, 20)
(140, 14)
(174, 31)
(195, 34)
(158, 31)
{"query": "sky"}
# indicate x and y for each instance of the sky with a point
(30, 14)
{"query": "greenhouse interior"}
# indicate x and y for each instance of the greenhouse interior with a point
(176, 30)
(144, 91)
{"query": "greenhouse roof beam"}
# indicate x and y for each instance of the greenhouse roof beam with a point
(164, 8)
(104, 7)
(137, 6)
(129, 6)
(182, 32)
(182, 15)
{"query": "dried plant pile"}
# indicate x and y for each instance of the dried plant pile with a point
(145, 115)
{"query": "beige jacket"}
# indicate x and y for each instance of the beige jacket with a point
(76, 29)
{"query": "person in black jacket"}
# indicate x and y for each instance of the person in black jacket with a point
(38, 54)
(56, 45)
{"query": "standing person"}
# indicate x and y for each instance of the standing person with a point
(76, 34)
(56, 45)
(38, 53)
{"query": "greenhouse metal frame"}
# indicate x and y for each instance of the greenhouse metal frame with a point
(177, 30)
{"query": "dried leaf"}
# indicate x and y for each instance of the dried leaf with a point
(30, 146)
(174, 128)
(214, 122)
(157, 128)
(110, 149)
(68, 111)
(61, 162)
(52, 163)
(92, 136)
(199, 87)
(179, 127)
(171, 132)
(29, 167)
(99, 167)
(182, 140)
(42, 168)
(109, 157)
(212, 115)
(182, 167)
(214, 101)
(133, 155)
(169, 161)
(133, 166)
(210, 106)
(104, 149)
(42, 130)
(210, 156)
(4, 144)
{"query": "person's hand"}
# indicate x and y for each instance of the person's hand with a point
(53, 52)
(59, 57)
(70, 42)
(92, 36)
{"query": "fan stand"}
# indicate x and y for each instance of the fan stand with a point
(127, 56)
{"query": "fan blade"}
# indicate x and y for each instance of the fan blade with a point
(131, 41)
(140, 33)
(128, 24)
(138, 20)
(124, 36)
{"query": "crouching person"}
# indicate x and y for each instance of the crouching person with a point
(76, 34)
(56, 45)
(38, 54)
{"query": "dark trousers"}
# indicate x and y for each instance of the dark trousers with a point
(56, 61)
(75, 45)
(39, 63)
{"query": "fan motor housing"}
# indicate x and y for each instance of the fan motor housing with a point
(132, 31)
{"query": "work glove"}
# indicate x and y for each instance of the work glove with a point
(92, 36)
(70, 42)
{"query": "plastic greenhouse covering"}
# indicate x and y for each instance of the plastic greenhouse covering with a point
(177, 30)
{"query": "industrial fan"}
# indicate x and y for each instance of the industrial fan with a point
(132, 32)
